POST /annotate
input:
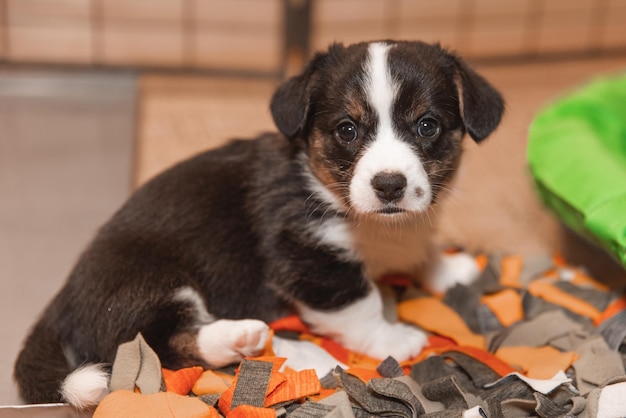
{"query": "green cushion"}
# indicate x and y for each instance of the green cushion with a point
(577, 156)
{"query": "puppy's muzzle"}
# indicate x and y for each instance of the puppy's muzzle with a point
(389, 187)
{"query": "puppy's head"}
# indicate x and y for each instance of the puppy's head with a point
(382, 122)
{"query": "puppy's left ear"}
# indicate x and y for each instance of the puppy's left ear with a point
(481, 104)
(290, 102)
(289, 105)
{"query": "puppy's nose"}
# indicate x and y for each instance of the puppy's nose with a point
(389, 187)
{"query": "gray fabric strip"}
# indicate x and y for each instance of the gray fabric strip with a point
(465, 300)
(329, 381)
(539, 331)
(369, 400)
(210, 399)
(488, 322)
(390, 368)
(480, 373)
(598, 299)
(312, 410)
(447, 391)
(518, 407)
(489, 279)
(546, 408)
(447, 413)
(614, 330)
(416, 389)
(136, 364)
(341, 403)
(431, 369)
(252, 382)
(597, 365)
(396, 389)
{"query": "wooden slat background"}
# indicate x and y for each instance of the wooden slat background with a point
(247, 34)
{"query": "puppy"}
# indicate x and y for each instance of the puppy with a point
(203, 256)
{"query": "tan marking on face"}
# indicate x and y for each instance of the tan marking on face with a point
(459, 88)
(355, 108)
(319, 163)
(413, 113)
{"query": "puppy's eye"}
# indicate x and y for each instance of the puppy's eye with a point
(428, 128)
(346, 131)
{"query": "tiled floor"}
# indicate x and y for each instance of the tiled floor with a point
(66, 141)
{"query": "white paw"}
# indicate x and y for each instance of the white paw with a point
(227, 341)
(400, 341)
(460, 268)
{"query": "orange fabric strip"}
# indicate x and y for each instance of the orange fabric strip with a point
(276, 361)
(546, 291)
(581, 279)
(297, 385)
(277, 380)
(511, 270)
(124, 403)
(537, 362)
(614, 308)
(212, 381)
(481, 262)
(247, 411)
(506, 306)
(433, 315)
(181, 381)
(289, 323)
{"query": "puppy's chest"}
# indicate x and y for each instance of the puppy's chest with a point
(382, 248)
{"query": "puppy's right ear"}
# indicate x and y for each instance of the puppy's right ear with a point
(481, 104)
(290, 103)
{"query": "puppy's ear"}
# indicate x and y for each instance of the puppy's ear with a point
(481, 105)
(290, 102)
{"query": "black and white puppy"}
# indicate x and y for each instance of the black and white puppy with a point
(202, 256)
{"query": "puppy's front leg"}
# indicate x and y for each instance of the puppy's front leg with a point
(361, 327)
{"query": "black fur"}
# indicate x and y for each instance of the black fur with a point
(234, 223)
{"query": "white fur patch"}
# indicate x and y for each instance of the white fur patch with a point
(336, 233)
(460, 268)
(330, 230)
(386, 153)
(361, 327)
(86, 386)
(188, 295)
(228, 341)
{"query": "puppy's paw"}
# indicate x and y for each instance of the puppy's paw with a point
(400, 341)
(252, 335)
(227, 341)
(460, 268)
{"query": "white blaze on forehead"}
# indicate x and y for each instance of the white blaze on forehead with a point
(387, 152)
(381, 90)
